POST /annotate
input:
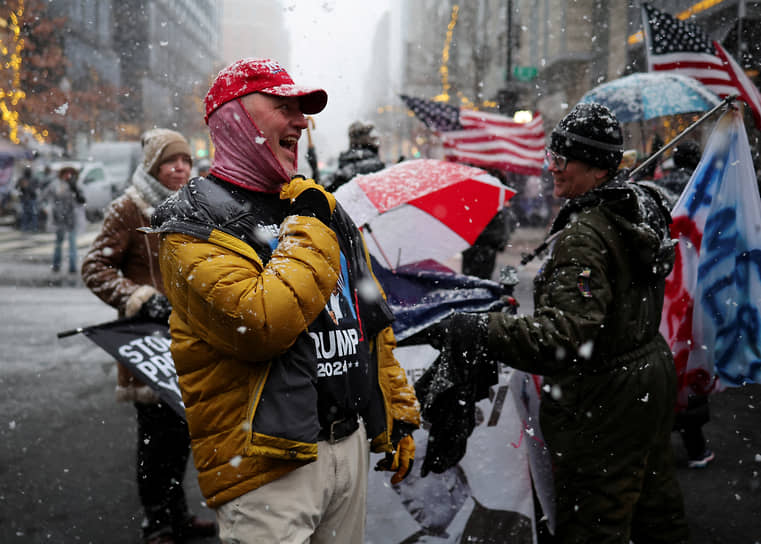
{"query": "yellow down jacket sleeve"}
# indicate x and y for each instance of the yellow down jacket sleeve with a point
(221, 291)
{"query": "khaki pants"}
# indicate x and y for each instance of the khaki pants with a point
(324, 501)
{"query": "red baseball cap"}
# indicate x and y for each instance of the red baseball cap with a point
(246, 76)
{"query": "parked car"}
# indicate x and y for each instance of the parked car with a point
(98, 188)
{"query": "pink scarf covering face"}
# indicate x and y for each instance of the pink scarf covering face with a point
(242, 156)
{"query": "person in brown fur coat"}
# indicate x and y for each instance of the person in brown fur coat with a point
(122, 269)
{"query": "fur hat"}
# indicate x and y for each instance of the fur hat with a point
(267, 76)
(363, 135)
(68, 167)
(158, 145)
(687, 154)
(590, 133)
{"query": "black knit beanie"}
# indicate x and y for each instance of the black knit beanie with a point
(591, 134)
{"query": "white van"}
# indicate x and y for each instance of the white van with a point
(119, 159)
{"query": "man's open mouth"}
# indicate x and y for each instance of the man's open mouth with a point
(289, 143)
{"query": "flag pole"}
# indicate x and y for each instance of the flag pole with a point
(80, 330)
(72, 332)
(724, 103)
(366, 226)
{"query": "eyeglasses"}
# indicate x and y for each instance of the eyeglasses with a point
(557, 160)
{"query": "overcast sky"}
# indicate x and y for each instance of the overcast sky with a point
(331, 48)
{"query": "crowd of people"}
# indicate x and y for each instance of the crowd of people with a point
(282, 338)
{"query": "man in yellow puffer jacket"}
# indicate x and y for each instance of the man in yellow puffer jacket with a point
(280, 334)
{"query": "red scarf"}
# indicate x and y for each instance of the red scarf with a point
(242, 156)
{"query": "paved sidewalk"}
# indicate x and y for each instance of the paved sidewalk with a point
(25, 258)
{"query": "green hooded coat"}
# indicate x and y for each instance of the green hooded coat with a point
(610, 383)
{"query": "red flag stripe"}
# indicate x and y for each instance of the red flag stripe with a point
(509, 165)
(497, 157)
(497, 119)
(748, 91)
(485, 138)
(536, 156)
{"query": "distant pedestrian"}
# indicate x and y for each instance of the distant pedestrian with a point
(686, 157)
(361, 157)
(122, 269)
(28, 187)
(689, 422)
(65, 196)
(202, 167)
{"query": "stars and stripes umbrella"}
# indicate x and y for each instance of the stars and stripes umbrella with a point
(422, 209)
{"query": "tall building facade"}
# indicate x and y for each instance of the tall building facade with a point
(572, 46)
(169, 51)
(545, 54)
(254, 28)
(157, 57)
(455, 52)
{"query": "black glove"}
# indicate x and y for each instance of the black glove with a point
(465, 336)
(308, 198)
(157, 308)
(312, 203)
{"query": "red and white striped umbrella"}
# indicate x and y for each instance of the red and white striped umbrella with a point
(423, 209)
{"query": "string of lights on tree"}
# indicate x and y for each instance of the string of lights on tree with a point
(11, 63)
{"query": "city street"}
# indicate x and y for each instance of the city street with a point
(67, 450)
(436, 125)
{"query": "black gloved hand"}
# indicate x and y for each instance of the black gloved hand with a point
(309, 199)
(157, 308)
(470, 351)
(469, 333)
(312, 203)
(453, 418)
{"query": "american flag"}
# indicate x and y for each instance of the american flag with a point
(683, 48)
(482, 139)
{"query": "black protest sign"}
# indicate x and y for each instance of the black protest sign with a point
(143, 347)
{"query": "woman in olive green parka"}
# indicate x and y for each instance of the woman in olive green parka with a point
(610, 384)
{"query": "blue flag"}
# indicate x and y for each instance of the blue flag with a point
(712, 312)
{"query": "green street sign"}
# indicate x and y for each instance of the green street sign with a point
(525, 73)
